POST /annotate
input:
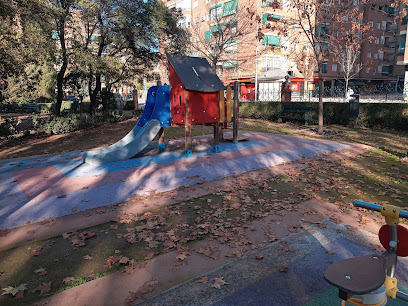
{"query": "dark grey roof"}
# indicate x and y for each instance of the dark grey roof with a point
(195, 73)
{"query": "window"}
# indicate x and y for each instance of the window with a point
(381, 55)
(383, 25)
(367, 70)
(371, 24)
(375, 55)
(285, 42)
(215, 11)
(401, 46)
(382, 40)
(207, 36)
(294, 46)
(196, 20)
(378, 25)
(375, 70)
(341, 68)
(293, 66)
(334, 67)
(231, 48)
(324, 68)
(196, 3)
(286, 3)
(377, 41)
(355, 2)
(345, 18)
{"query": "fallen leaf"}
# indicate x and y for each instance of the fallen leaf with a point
(74, 209)
(181, 257)
(36, 251)
(43, 288)
(41, 272)
(218, 282)
(13, 291)
(283, 270)
(123, 260)
(203, 280)
(128, 270)
(68, 279)
(259, 257)
(62, 196)
(330, 252)
(87, 257)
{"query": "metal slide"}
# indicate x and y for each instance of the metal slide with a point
(156, 114)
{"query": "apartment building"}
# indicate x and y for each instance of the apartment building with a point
(264, 58)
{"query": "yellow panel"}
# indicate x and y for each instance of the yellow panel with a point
(229, 104)
(222, 106)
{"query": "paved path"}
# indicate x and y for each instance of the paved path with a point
(36, 189)
(259, 282)
(251, 281)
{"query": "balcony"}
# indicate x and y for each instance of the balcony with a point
(392, 28)
(276, 4)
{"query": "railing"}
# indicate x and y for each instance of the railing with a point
(367, 94)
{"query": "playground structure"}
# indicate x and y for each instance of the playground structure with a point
(372, 277)
(195, 96)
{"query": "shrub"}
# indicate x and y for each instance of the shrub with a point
(68, 123)
(9, 127)
(372, 115)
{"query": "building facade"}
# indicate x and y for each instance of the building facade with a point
(273, 45)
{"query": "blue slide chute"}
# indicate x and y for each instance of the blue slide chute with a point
(156, 114)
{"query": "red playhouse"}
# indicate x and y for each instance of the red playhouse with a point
(197, 97)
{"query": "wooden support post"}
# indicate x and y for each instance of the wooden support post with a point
(187, 127)
(216, 146)
(221, 113)
(235, 110)
(162, 145)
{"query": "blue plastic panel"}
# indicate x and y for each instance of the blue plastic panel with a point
(149, 106)
(161, 111)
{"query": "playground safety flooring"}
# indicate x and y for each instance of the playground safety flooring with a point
(36, 189)
(253, 279)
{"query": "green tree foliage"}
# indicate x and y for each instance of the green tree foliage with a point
(26, 52)
(119, 40)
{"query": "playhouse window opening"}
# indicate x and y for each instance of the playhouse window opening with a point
(175, 100)
(180, 99)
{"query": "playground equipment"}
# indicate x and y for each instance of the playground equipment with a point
(373, 276)
(197, 97)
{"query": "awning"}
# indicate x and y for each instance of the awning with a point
(271, 40)
(230, 8)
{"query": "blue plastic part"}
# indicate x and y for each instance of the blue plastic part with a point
(235, 141)
(216, 149)
(162, 146)
(189, 153)
(149, 106)
(161, 110)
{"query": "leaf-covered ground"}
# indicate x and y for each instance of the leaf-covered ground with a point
(38, 269)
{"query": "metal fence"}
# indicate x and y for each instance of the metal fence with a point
(367, 94)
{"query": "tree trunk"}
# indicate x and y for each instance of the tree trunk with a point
(305, 89)
(93, 94)
(60, 93)
(320, 130)
(347, 81)
(61, 73)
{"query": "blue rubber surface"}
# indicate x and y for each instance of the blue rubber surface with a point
(75, 169)
(149, 106)
(161, 111)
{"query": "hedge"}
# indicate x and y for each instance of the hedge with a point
(372, 115)
(43, 107)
